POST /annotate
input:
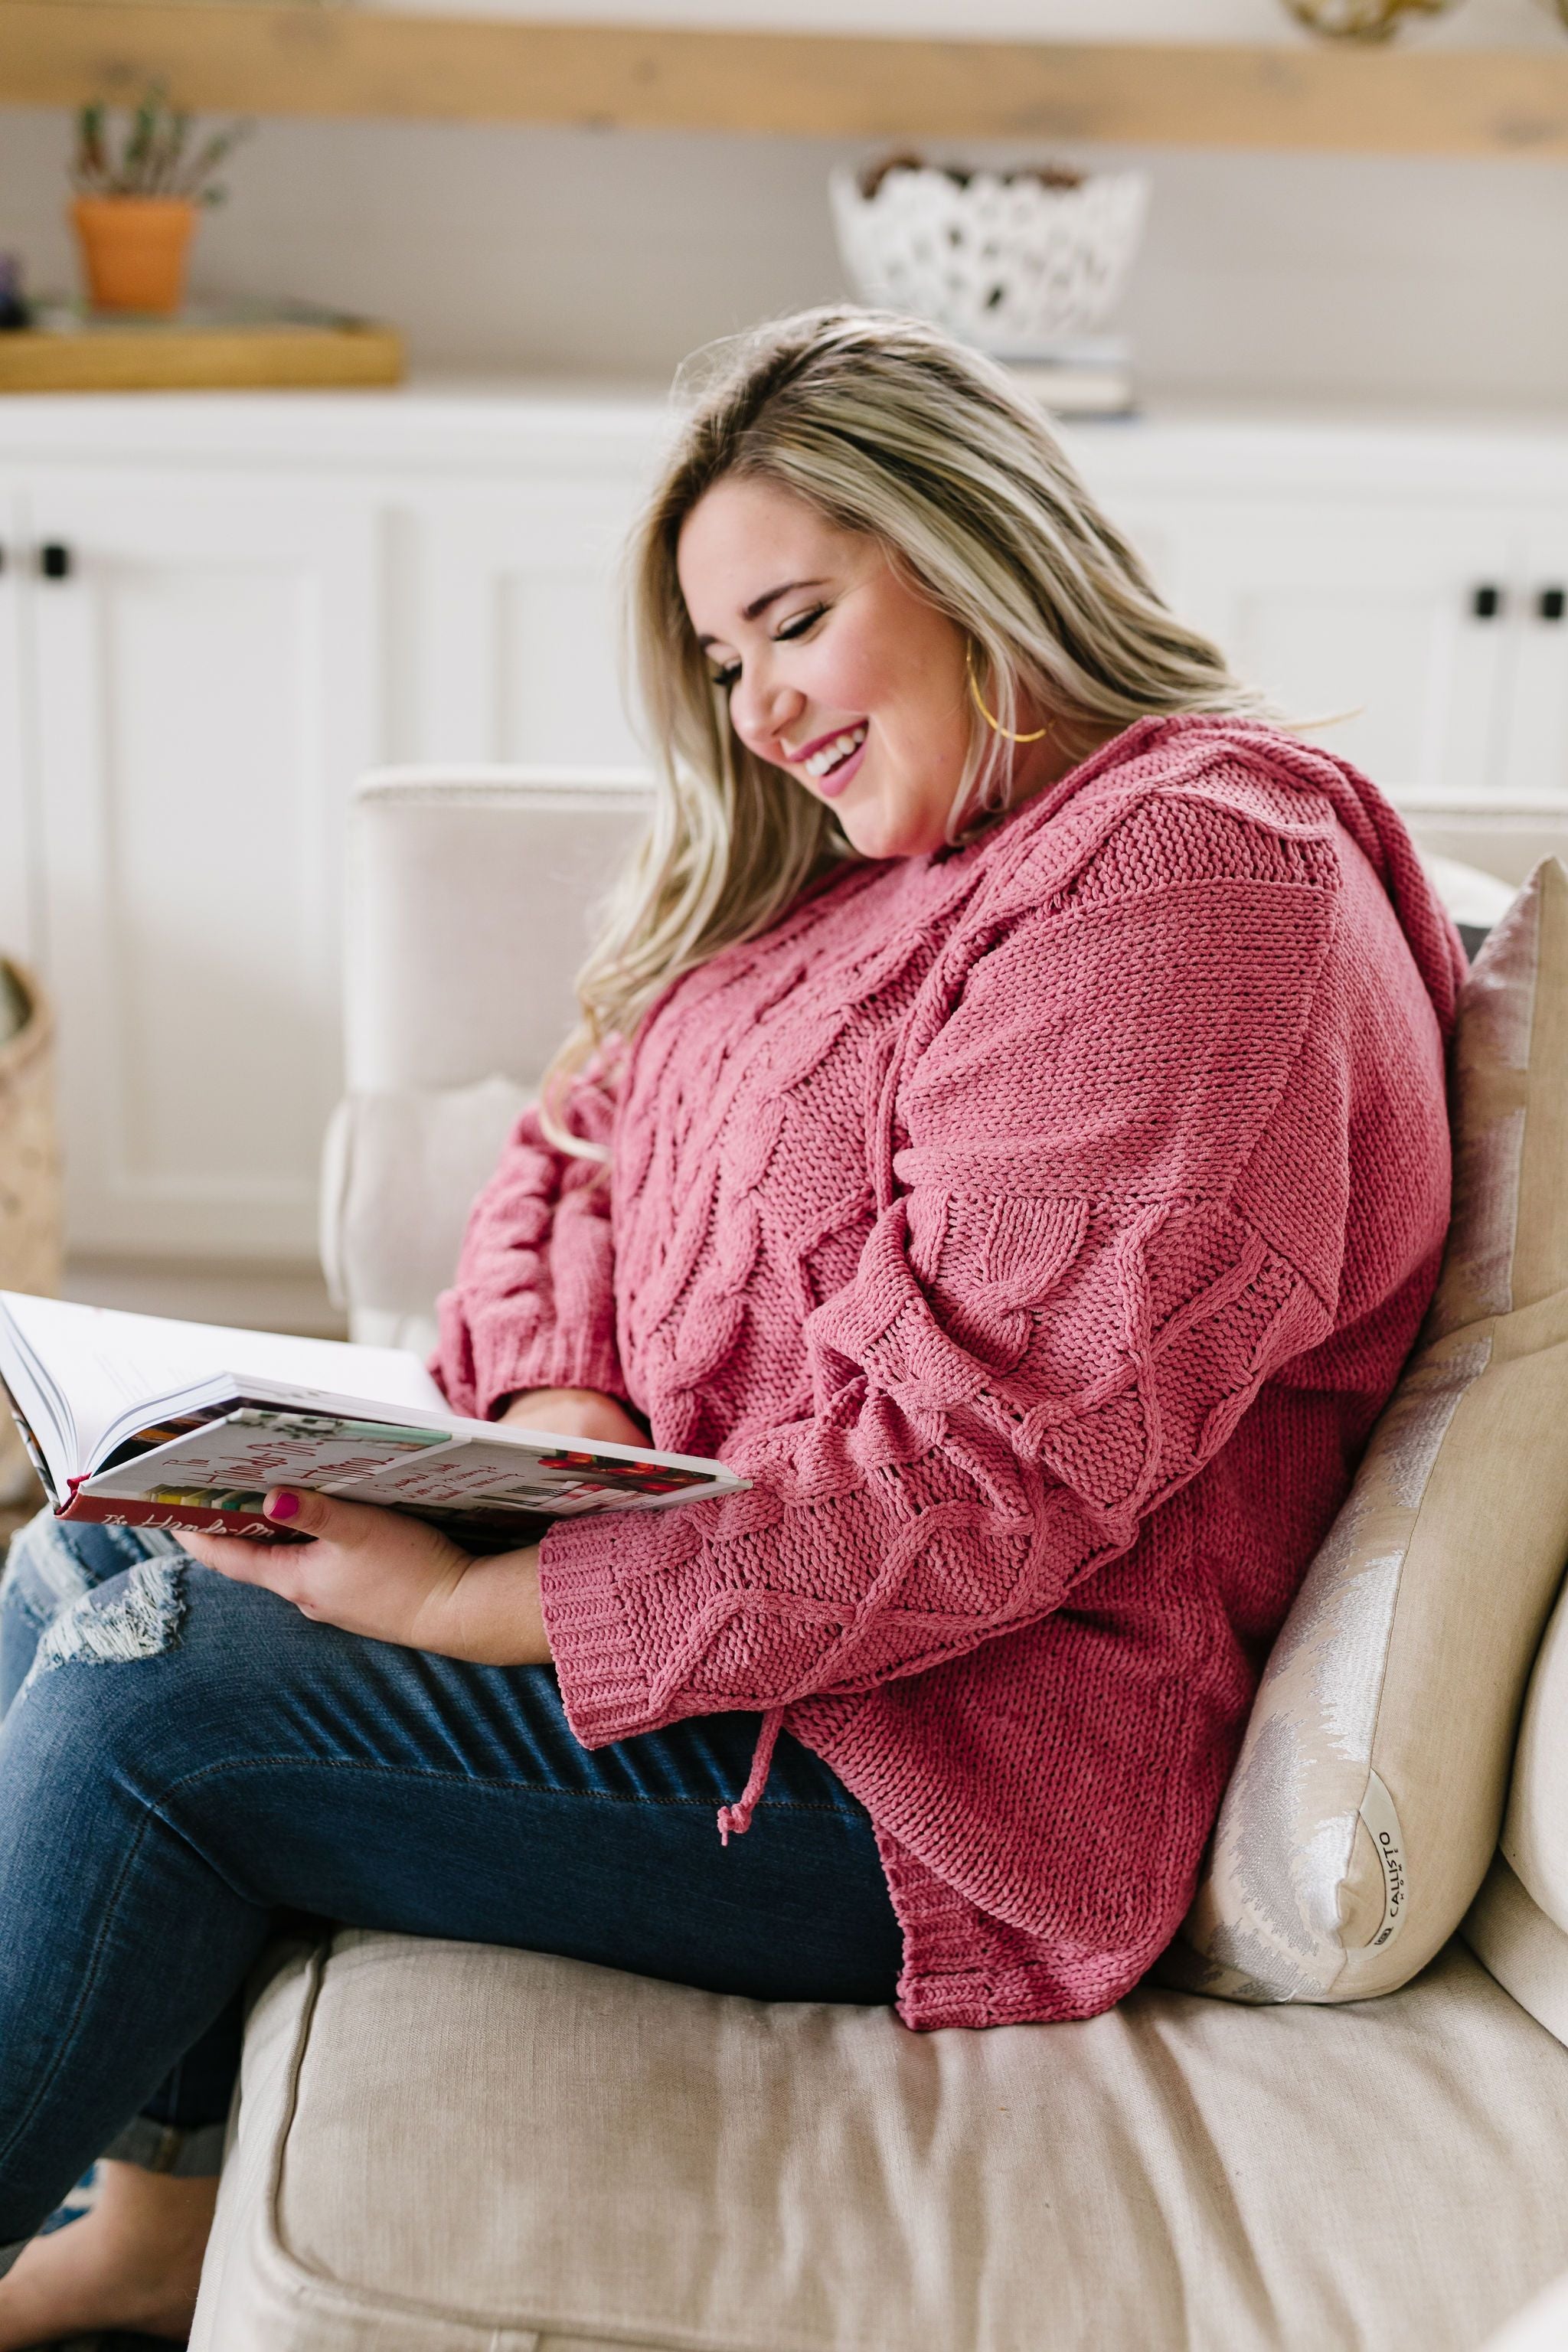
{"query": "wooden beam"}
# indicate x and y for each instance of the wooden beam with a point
(277, 57)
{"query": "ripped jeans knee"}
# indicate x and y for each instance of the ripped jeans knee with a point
(84, 1594)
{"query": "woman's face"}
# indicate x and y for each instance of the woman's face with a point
(837, 672)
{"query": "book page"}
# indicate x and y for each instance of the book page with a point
(107, 1361)
(258, 1447)
(40, 1411)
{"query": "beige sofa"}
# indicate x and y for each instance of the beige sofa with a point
(442, 2148)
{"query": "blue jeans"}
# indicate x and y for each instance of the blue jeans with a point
(182, 1758)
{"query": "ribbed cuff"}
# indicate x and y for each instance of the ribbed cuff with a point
(598, 1664)
(552, 1360)
(962, 1967)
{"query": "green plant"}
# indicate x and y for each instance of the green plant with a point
(157, 154)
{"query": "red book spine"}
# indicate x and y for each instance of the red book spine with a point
(127, 1511)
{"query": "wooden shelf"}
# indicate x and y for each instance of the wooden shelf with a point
(336, 60)
(157, 356)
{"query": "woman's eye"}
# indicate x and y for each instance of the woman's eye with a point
(796, 628)
(802, 622)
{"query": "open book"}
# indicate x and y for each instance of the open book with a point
(142, 1423)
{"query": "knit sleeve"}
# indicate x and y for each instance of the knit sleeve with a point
(1117, 1206)
(533, 1305)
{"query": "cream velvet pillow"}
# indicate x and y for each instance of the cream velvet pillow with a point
(1535, 1829)
(1519, 1922)
(1364, 1808)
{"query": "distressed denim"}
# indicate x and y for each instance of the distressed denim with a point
(182, 1758)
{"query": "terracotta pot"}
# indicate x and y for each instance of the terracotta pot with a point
(135, 249)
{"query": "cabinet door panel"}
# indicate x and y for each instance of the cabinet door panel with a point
(1149, 531)
(17, 850)
(1538, 749)
(206, 691)
(519, 624)
(1362, 618)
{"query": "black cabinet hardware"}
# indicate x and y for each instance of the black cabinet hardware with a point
(55, 561)
(1486, 603)
(1552, 604)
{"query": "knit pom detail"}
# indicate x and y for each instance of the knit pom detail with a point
(737, 1818)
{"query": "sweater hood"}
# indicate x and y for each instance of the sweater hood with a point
(1371, 820)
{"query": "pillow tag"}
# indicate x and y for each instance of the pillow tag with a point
(1383, 1828)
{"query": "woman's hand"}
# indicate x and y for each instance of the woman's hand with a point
(392, 1578)
(574, 1413)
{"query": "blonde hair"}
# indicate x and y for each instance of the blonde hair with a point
(885, 427)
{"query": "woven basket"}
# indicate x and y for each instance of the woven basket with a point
(30, 1223)
(1009, 264)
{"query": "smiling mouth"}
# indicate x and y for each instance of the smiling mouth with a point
(833, 755)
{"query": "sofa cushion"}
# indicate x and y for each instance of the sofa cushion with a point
(1519, 1922)
(1542, 2328)
(447, 2148)
(1522, 1946)
(1366, 1803)
(1535, 1827)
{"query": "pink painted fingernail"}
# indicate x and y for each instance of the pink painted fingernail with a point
(282, 1506)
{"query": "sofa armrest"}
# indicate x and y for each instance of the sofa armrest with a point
(399, 1173)
(470, 898)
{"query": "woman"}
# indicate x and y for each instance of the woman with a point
(1008, 1126)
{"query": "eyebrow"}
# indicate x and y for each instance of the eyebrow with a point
(759, 605)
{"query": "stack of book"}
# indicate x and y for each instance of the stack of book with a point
(1082, 379)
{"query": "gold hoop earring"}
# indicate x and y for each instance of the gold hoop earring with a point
(990, 720)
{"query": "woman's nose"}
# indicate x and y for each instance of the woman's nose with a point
(763, 709)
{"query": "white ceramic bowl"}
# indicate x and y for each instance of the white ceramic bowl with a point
(1011, 264)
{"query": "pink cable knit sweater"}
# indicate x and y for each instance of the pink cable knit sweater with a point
(1039, 1226)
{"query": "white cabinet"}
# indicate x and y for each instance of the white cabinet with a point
(1384, 629)
(18, 862)
(1384, 579)
(1537, 613)
(207, 684)
(260, 595)
(517, 635)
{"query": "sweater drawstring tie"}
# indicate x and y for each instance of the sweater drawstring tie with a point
(738, 1816)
